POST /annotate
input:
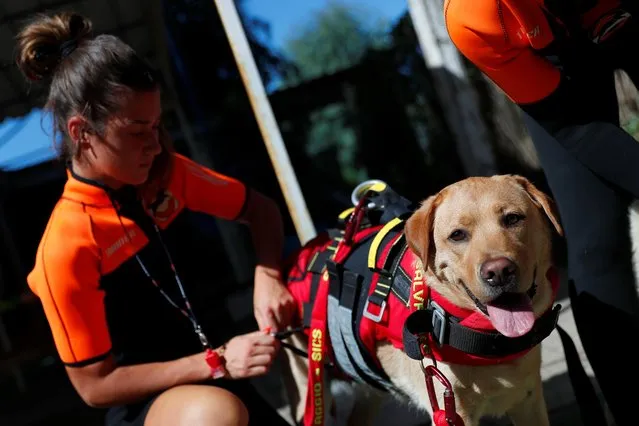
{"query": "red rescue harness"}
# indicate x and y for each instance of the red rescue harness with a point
(391, 318)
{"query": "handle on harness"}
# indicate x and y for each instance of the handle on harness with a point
(355, 220)
(382, 202)
(448, 416)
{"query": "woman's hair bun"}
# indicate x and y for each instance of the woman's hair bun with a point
(47, 40)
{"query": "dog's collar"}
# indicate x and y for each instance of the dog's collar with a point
(426, 331)
(456, 335)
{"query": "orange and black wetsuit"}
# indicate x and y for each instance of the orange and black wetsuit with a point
(95, 294)
(555, 59)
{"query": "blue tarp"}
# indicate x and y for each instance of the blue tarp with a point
(26, 141)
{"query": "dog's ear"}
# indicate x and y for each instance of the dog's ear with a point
(541, 200)
(419, 229)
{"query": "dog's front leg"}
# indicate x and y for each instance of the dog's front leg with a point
(295, 376)
(532, 410)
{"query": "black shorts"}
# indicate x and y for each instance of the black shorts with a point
(260, 411)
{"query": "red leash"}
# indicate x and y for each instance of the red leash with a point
(314, 413)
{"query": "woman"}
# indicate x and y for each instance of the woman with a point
(555, 59)
(128, 321)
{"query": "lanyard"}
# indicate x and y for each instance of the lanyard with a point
(188, 312)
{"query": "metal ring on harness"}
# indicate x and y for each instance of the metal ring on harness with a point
(360, 197)
(373, 317)
(374, 185)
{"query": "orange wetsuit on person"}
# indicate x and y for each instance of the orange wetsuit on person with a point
(556, 59)
(95, 296)
(507, 39)
(106, 261)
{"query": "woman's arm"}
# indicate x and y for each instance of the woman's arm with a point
(273, 304)
(578, 110)
(104, 384)
(222, 196)
(263, 217)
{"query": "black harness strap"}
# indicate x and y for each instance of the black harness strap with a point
(345, 286)
(386, 276)
(401, 281)
(317, 266)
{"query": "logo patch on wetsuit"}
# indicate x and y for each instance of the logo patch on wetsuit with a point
(120, 243)
(167, 209)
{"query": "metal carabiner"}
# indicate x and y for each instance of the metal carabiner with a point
(450, 411)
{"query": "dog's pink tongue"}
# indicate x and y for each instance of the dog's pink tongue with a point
(511, 314)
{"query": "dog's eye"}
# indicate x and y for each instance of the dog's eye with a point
(457, 235)
(513, 219)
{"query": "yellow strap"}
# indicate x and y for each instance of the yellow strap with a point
(377, 187)
(343, 215)
(372, 252)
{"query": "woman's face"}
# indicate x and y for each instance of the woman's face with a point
(124, 152)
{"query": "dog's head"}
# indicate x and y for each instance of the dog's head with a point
(486, 241)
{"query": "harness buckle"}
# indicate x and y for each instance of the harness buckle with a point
(373, 317)
(439, 322)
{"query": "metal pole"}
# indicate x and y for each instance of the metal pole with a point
(266, 120)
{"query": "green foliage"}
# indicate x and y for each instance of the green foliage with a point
(336, 38)
(329, 129)
(381, 121)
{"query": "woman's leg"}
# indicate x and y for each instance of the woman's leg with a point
(197, 405)
(606, 307)
(220, 402)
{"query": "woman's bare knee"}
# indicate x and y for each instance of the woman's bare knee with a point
(197, 405)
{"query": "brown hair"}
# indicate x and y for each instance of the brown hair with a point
(86, 75)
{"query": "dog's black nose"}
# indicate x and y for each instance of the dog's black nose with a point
(498, 272)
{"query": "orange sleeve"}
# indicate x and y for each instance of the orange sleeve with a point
(66, 280)
(207, 191)
(475, 28)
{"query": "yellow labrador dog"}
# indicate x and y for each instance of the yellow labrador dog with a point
(483, 247)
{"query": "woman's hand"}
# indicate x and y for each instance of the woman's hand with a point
(250, 355)
(273, 304)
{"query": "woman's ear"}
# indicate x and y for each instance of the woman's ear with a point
(77, 129)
